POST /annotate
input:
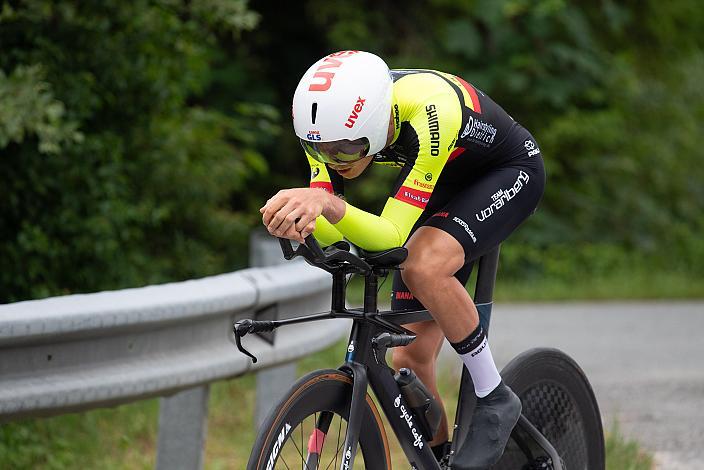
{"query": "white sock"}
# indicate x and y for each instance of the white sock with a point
(476, 355)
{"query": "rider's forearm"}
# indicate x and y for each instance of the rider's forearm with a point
(325, 232)
(377, 233)
(334, 208)
(370, 231)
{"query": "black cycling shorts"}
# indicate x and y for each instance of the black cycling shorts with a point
(481, 211)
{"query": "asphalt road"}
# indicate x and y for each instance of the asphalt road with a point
(645, 362)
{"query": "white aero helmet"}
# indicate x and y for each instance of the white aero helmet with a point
(342, 106)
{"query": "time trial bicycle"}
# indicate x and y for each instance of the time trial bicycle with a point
(328, 415)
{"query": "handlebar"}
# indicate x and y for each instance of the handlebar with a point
(334, 258)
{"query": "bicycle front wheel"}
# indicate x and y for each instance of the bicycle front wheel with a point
(559, 401)
(307, 428)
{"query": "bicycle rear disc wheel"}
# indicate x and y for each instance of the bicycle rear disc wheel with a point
(559, 401)
(307, 428)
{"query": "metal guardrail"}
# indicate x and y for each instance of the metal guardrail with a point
(77, 352)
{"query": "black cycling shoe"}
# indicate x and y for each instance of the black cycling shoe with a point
(492, 422)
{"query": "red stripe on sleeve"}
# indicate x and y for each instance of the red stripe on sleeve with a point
(326, 185)
(472, 94)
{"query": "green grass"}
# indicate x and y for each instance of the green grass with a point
(231, 430)
(117, 438)
(625, 454)
(632, 285)
(125, 437)
(618, 285)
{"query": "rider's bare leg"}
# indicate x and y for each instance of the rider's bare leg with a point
(437, 266)
(434, 256)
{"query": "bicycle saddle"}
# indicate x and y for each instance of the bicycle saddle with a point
(384, 259)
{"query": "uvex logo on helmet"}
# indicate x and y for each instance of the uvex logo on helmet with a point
(352, 118)
(330, 62)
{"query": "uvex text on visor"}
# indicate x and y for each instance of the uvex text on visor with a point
(338, 151)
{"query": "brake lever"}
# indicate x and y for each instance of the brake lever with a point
(241, 328)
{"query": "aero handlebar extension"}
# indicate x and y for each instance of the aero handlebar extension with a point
(333, 258)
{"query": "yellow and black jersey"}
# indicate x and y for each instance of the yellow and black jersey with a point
(441, 122)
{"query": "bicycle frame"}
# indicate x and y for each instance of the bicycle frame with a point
(368, 366)
(366, 363)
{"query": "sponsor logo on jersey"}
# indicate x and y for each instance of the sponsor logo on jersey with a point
(414, 197)
(428, 176)
(441, 214)
(503, 196)
(479, 131)
(315, 171)
(397, 120)
(404, 295)
(313, 135)
(422, 184)
(434, 128)
(466, 228)
(322, 78)
(352, 118)
(531, 147)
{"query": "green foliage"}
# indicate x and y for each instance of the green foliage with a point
(139, 138)
(29, 108)
(228, 17)
(610, 89)
(112, 174)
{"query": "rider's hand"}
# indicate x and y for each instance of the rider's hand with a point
(291, 213)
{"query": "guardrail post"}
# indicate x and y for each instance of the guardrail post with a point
(182, 429)
(264, 250)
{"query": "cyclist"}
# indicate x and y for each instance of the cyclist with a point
(469, 176)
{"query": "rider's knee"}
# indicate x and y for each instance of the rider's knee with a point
(420, 268)
(415, 268)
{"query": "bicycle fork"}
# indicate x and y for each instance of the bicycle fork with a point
(354, 423)
(374, 371)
